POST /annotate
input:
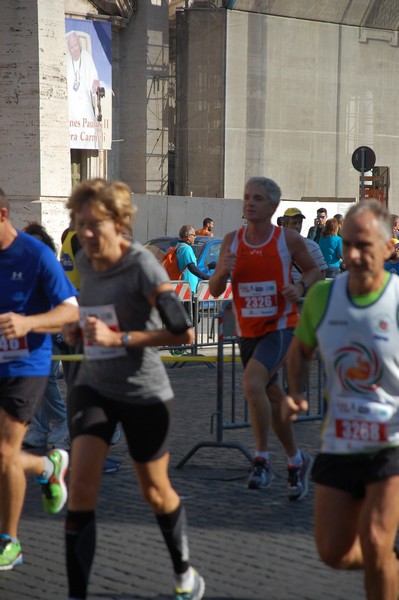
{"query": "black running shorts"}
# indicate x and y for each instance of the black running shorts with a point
(20, 396)
(269, 349)
(352, 473)
(146, 426)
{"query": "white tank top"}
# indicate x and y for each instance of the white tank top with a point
(360, 349)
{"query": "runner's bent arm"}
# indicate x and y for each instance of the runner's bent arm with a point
(302, 348)
(298, 367)
(224, 267)
(101, 334)
(14, 325)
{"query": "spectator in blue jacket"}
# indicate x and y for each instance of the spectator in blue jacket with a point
(331, 247)
(187, 259)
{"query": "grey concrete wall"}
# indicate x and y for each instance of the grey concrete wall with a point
(164, 215)
(156, 216)
(301, 96)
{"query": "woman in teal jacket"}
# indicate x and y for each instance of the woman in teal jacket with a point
(331, 247)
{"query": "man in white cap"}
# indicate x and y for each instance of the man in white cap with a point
(293, 219)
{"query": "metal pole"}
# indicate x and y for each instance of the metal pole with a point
(219, 378)
(363, 161)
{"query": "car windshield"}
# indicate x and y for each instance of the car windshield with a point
(197, 247)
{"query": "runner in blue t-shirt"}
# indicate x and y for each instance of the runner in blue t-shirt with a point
(36, 297)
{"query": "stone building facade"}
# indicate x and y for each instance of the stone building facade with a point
(206, 93)
(289, 90)
(37, 166)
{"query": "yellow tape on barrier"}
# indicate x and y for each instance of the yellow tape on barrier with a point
(201, 358)
(67, 357)
(166, 359)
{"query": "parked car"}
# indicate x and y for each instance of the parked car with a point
(206, 249)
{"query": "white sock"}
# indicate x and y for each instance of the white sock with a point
(48, 468)
(13, 539)
(296, 460)
(185, 581)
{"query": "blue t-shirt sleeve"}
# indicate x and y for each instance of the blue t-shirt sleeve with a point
(56, 284)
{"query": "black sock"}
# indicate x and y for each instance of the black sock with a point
(174, 531)
(80, 538)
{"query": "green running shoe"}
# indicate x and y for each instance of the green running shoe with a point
(10, 553)
(54, 491)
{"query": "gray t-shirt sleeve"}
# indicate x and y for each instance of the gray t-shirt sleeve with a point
(152, 274)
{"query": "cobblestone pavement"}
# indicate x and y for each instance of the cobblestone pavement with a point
(249, 545)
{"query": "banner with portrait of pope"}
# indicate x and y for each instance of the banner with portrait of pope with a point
(89, 76)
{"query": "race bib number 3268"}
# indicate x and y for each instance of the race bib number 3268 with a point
(360, 431)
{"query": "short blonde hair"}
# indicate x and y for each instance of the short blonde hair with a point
(111, 199)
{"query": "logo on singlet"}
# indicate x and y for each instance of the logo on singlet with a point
(358, 368)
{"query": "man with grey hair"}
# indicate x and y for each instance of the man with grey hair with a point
(353, 320)
(186, 258)
(258, 258)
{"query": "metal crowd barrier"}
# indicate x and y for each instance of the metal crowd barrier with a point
(183, 292)
(206, 309)
(203, 309)
(227, 335)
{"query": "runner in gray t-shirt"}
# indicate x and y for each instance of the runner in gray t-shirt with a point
(122, 378)
(139, 375)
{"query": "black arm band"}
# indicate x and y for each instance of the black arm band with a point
(172, 313)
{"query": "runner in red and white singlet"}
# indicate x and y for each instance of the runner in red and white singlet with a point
(258, 258)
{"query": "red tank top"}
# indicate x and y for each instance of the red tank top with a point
(257, 280)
